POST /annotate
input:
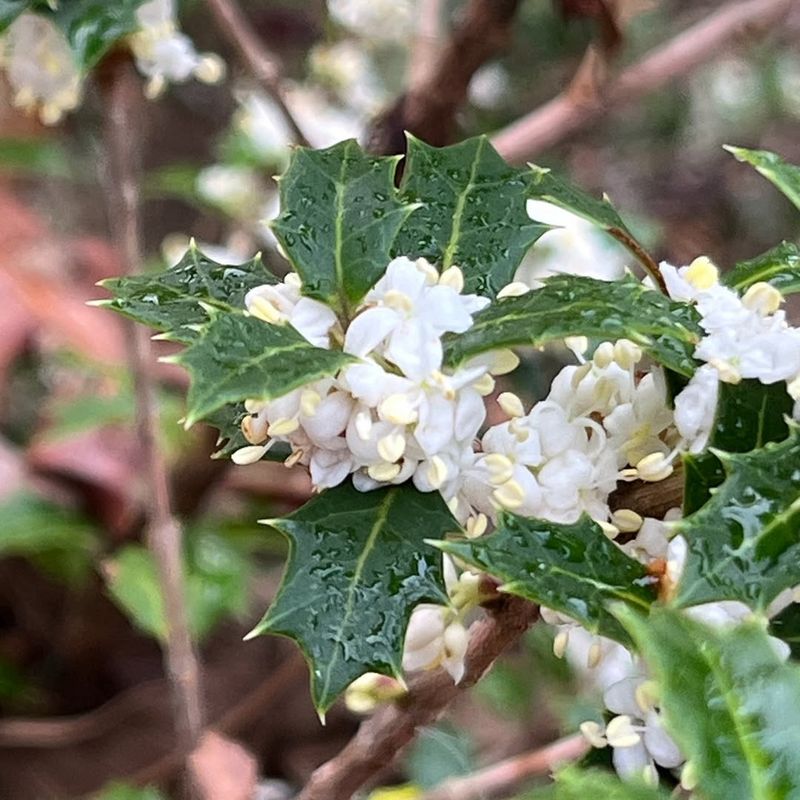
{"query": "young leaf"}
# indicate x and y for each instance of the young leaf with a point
(239, 357)
(730, 703)
(743, 544)
(785, 177)
(549, 187)
(575, 306)
(170, 301)
(573, 568)
(473, 212)
(779, 267)
(358, 565)
(340, 213)
(749, 415)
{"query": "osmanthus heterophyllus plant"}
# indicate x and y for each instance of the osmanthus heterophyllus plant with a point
(373, 363)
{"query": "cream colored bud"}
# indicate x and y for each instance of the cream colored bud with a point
(383, 472)
(560, 643)
(398, 409)
(595, 655)
(476, 526)
(452, 277)
(154, 88)
(702, 274)
(579, 374)
(627, 520)
(627, 354)
(283, 426)
(654, 467)
(503, 362)
(500, 468)
(514, 289)
(254, 429)
(689, 776)
(263, 309)
(510, 495)
(437, 472)
(611, 531)
(763, 298)
(646, 695)
(309, 402)
(593, 733)
(210, 69)
(484, 386)
(604, 355)
(511, 404)
(294, 458)
(578, 344)
(727, 372)
(398, 301)
(430, 272)
(620, 732)
(248, 455)
(391, 447)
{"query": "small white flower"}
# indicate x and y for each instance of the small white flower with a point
(695, 408)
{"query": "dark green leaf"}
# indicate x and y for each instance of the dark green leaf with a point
(239, 357)
(10, 10)
(340, 213)
(573, 568)
(744, 543)
(358, 565)
(779, 267)
(730, 703)
(93, 27)
(785, 177)
(35, 157)
(583, 784)
(786, 626)
(549, 187)
(473, 212)
(749, 414)
(170, 301)
(574, 306)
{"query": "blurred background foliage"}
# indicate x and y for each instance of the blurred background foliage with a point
(81, 688)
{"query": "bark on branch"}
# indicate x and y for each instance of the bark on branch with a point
(571, 111)
(380, 738)
(429, 106)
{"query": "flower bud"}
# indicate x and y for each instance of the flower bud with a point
(620, 732)
(763, 298)
(511, 404)
(653, 468)
(454, 278)
(627, 520)
(514, 289)
(701, 273)
(604, 355)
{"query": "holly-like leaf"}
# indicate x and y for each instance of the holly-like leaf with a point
(358, 565)
(228, 421)
(573, 568)
(340, 214)
(10, 10)
(744, 543)
(729, 702)
(575, 306)
(749, 415)
(473, 212)
(785, 177)
(547, 186)
(170, 301)
(239, 357)
(779, 267)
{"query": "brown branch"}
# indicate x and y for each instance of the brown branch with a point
(265, 65)
(428, 109)
(508, 774)
(163, 534)
(380, 738)
(567, 114)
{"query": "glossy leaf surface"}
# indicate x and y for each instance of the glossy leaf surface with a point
(473, 212)
(574, 569)
(575, 306)
(729, 702)
(784, 176)
(357, 567)
(779, 266)
(744, 543)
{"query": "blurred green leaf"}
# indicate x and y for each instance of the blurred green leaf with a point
(786, 626)
(729, 701)
(55, 538)
(340, 214)
(784, 176)
(575, 306)
(124, 791)
(472, 212)
(216, 585)
(779, 267)
(35, 157)
(358, 564)
(577, 784)
(575, 569)
(439, 753)
(10, 10)
(743, 544)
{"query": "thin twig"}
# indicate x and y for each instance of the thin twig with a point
(163, 534)
(380, 738)
(426, 41)
(567, 114)
(428, 108)
(265, 65)
(509, 774)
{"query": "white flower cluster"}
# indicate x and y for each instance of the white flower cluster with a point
(635, 732)
(45, 78)
(387, 20)
(745, 337)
